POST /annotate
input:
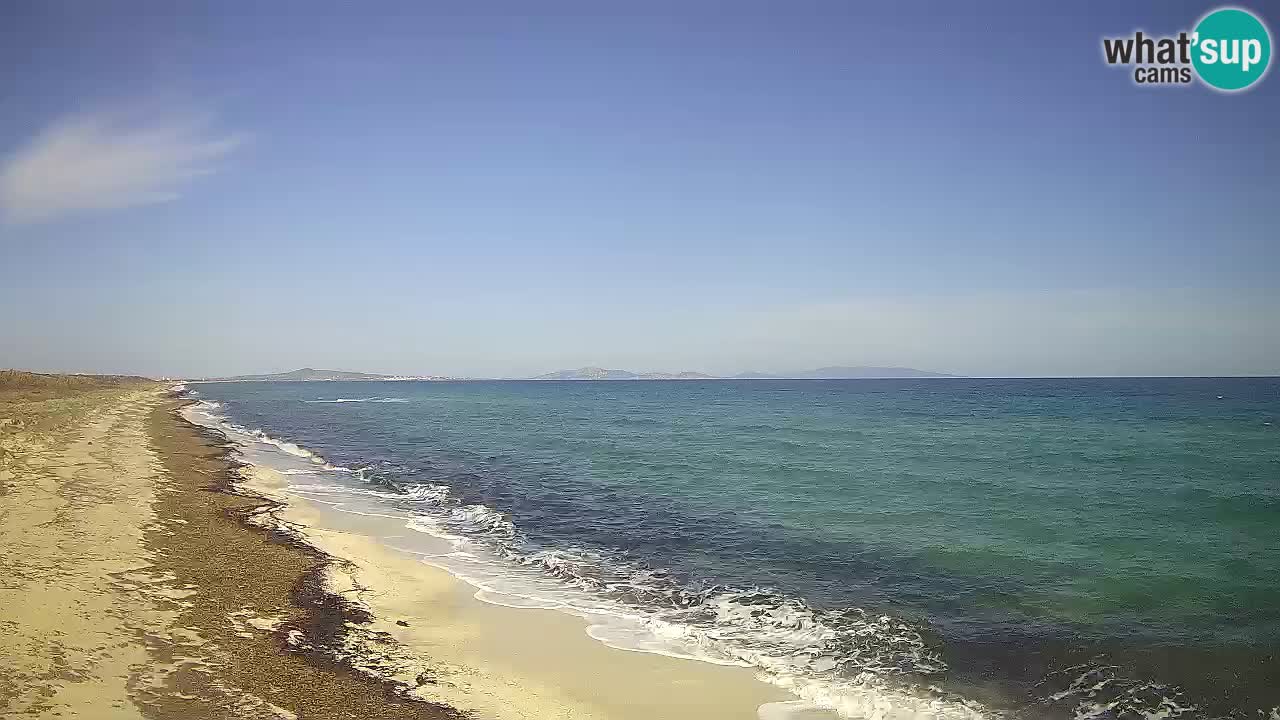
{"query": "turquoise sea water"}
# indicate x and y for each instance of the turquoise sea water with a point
(1048, 548)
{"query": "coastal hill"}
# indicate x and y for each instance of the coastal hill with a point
(309, 374)
(313, 375)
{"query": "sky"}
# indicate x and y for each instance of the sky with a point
(499, 189)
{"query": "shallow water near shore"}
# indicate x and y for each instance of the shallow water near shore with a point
(941, 548)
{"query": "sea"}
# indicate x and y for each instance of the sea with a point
(926, 548)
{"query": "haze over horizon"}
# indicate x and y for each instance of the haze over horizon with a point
(862, 372)
(482, 191)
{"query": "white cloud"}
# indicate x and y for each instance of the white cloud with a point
(101, 161)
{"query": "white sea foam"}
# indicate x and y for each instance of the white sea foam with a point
(1100, 692)
(288, 447)
(204, 412)
(850, 663)
(791, 646)
(428, 492)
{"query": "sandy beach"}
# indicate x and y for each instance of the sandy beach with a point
(132, 587)
(496, 661)
(146, 575)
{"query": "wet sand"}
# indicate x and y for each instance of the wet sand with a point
(504, 662)
(131, 585)
(143, 574)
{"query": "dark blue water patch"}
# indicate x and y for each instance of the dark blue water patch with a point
(1030, 525)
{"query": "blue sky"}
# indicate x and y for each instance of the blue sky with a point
(482, 189)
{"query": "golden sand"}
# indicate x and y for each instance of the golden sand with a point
(130, 588)
(143, 575)
(503, 662)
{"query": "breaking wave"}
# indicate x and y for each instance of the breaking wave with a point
(207, 410)
(857, 663)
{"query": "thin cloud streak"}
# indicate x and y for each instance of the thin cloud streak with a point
(104, 161)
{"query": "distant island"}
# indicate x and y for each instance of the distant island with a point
(836, 372)
(598, 373)
(314, 375)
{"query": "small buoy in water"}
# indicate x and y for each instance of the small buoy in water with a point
(1219, 397)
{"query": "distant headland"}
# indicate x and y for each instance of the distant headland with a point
(836, 372)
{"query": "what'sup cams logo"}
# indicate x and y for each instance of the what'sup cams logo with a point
(1229, 50)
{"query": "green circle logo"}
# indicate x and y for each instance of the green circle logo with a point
(1232, 49)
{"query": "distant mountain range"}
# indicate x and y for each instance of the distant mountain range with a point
(838, 372)
(313, 375)
(598, 373)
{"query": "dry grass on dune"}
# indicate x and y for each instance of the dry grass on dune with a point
(20, 385)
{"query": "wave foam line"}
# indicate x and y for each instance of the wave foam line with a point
(849, 662)
(241, 434)
(853, 663)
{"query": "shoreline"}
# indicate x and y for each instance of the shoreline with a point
(133, 587)
(309, 626)
(150, 574)
(390, 563)
(493, 660)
